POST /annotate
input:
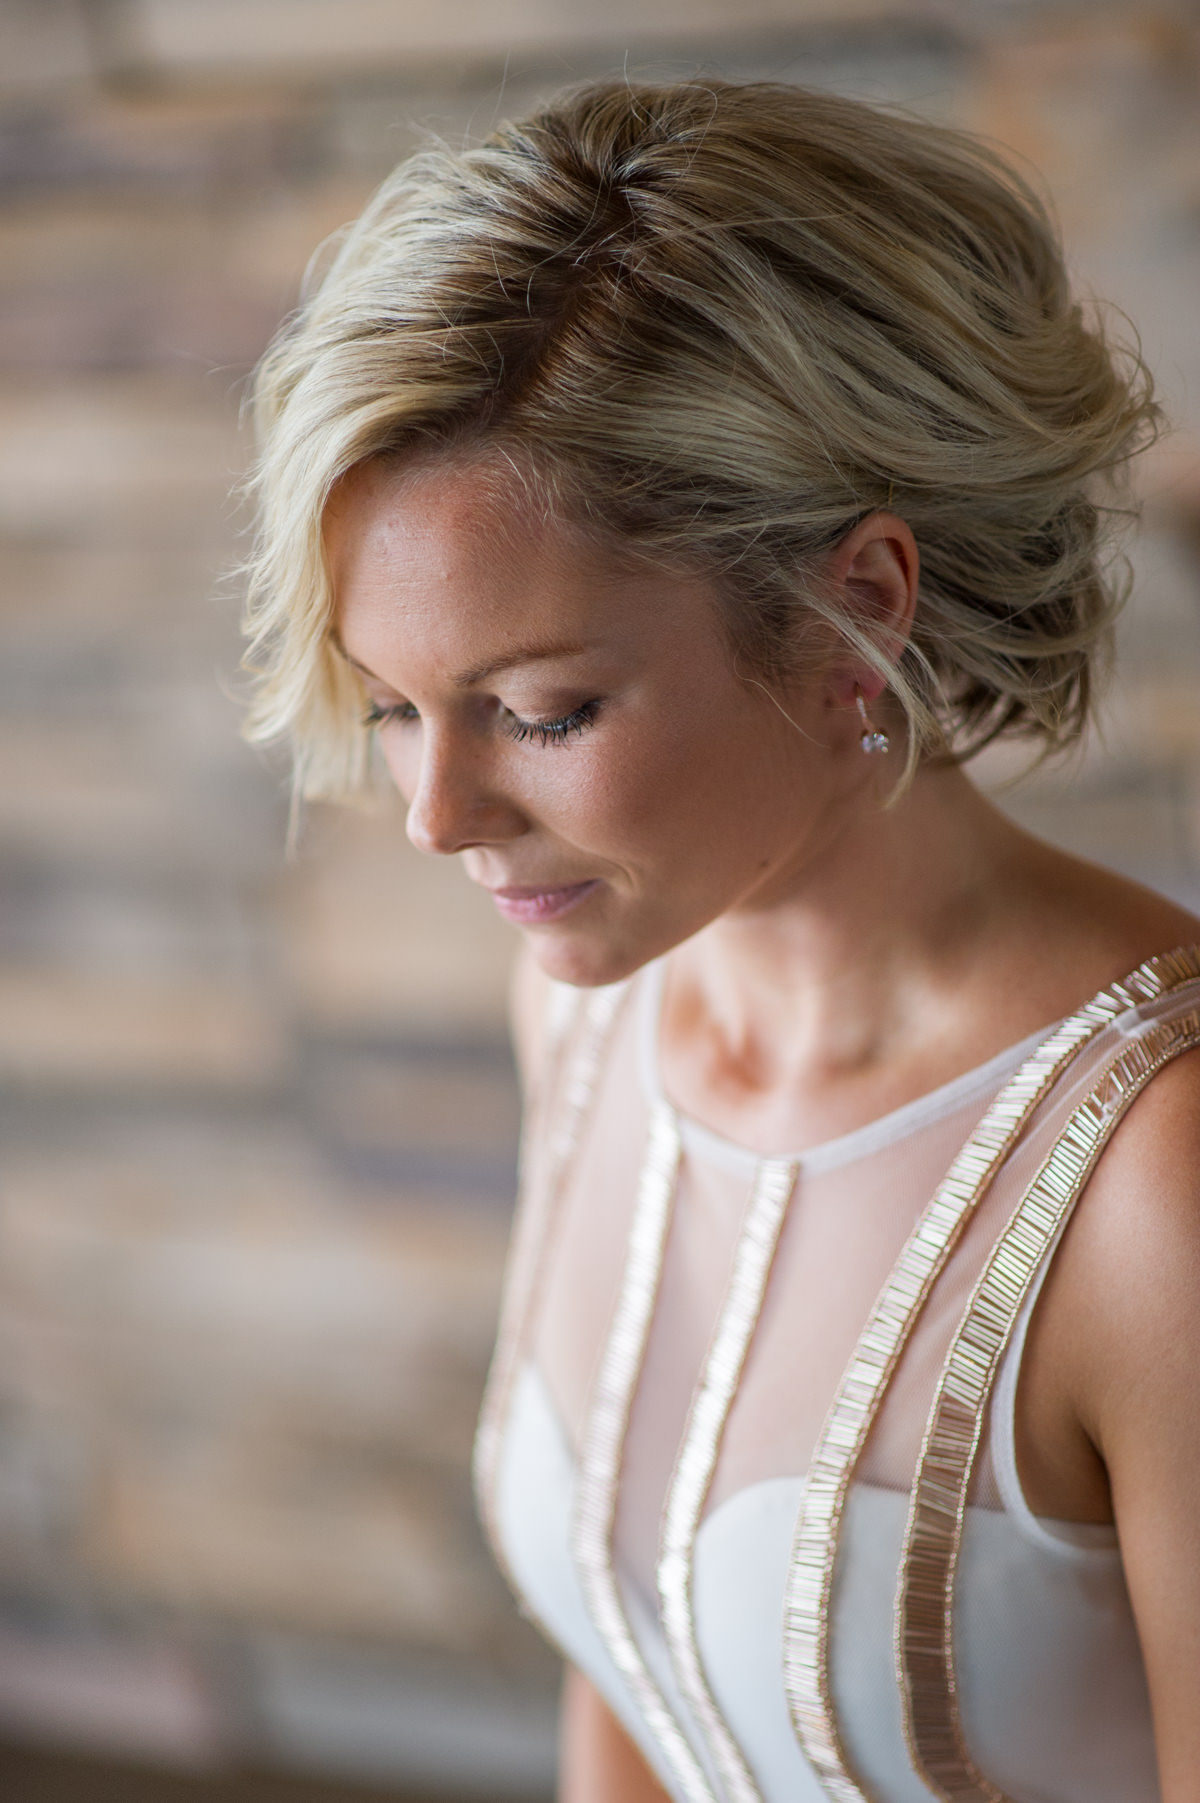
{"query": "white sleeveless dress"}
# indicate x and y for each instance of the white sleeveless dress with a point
(747, 1452)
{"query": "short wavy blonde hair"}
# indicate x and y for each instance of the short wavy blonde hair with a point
(720, 323)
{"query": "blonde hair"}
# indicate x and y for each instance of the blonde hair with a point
(720, 323)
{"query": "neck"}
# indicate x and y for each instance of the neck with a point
(858, 955)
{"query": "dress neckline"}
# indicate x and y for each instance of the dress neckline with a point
(711, 1147)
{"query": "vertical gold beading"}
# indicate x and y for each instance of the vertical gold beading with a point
(604, 1443)
(844, 1434)
(924, 1622)
(562, 1110)
(933, 1537)
(774, 1184)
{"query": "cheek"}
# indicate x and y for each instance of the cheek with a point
(652, 792)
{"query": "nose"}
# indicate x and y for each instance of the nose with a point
(452, 804)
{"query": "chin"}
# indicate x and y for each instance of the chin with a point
(585, 962)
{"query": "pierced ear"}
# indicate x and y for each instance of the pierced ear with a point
(852, 680)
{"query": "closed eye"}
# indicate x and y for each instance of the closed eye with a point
(554, 732)
(377, 713)
(543, 732)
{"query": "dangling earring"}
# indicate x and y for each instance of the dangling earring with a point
(872, 741)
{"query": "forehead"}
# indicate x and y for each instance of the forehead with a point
(451, 533)
(460, 562)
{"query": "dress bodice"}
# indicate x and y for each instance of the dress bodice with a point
(747, 1452)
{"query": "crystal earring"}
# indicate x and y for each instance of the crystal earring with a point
(872, 741)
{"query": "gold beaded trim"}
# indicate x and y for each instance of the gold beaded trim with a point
(603, 1446)
(806, 1649)
(537, 1215)
(924, 1625)
(774, 1184)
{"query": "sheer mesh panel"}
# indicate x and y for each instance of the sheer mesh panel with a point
(848, 1220)
(1050, 1676)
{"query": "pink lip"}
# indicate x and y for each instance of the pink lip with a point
(533, 907)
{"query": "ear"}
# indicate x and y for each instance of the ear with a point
(877, 568)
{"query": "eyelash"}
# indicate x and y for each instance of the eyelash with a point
(375, 715)
(554, 732)
(546, 732)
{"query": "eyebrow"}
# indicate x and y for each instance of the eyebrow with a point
(466, 679)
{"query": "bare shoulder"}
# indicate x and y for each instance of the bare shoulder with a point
(1131, 1262)
(1138, 1249)
(1147, 1182)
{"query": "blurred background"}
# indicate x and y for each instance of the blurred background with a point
(258, 1118)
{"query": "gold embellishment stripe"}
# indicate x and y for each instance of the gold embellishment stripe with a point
(773, 1187)
(924, 1627)
(536, 1220)
(806, 1648)
(604, 1444)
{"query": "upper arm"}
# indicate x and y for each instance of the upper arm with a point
(598, 1762)
(1136, 1262)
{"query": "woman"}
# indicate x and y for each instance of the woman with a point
(678, 489)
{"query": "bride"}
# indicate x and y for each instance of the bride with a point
(677, 490)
